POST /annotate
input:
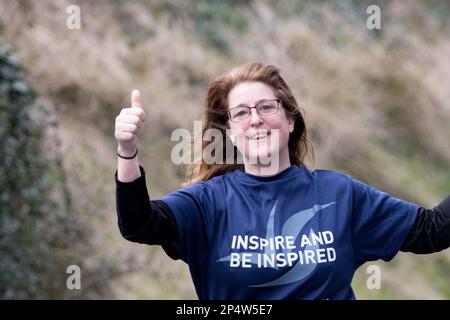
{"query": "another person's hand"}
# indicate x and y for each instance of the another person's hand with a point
(129, 122)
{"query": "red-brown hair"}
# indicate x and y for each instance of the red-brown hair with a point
(215, 117)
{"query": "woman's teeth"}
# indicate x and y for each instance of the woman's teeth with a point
(259, 136)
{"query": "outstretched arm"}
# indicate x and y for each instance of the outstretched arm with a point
(143, 221)
(431, 230)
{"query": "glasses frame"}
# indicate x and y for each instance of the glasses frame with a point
(228, 113)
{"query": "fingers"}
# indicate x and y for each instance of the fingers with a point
(133, 111)
(136, 99)
(129, 122)
(122, 136)
(129, 118)
(127, 127)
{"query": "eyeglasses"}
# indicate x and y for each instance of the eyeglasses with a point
(264, 109)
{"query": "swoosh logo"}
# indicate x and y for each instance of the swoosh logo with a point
(292, 227)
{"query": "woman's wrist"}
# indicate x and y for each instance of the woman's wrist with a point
(126, 154)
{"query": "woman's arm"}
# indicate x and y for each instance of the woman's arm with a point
(140, 220)
(143, 221)
(431, 230)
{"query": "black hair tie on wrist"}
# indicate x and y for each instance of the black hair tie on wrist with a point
(128, 158)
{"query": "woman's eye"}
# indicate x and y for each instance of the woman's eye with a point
(266, 108)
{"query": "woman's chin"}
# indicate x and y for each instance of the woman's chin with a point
(262, 156)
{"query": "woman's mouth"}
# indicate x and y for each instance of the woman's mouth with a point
(259, 135)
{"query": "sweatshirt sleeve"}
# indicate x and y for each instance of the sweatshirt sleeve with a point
(431, 230)
(380, 223)
(143, 220)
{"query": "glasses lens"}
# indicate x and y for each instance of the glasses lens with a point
(239, 114)
(267, 108)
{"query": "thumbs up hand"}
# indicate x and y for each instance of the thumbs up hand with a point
(129, 123)
(136, 99)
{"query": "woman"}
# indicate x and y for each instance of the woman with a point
(267, 229)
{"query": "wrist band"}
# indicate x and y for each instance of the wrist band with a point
(128, 158)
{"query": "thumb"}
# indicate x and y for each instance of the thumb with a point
(136, 99)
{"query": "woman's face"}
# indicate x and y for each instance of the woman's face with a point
(259, 137)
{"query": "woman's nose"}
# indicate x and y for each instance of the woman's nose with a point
(255, 118)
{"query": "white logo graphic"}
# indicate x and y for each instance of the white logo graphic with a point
(302, 262)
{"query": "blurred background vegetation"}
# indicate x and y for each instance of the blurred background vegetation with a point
(376, 102)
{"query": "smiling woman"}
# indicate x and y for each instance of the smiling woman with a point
(253, 128)
(267, 230)
(253, 101)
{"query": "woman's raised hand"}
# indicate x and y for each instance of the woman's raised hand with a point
(129, 123)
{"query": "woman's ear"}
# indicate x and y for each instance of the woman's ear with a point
(291, 122)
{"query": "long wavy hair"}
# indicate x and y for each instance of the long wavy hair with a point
(215, 117)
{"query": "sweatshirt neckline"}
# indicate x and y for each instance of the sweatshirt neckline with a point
(290, 171)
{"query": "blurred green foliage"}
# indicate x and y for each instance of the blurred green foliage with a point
(36, 224)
